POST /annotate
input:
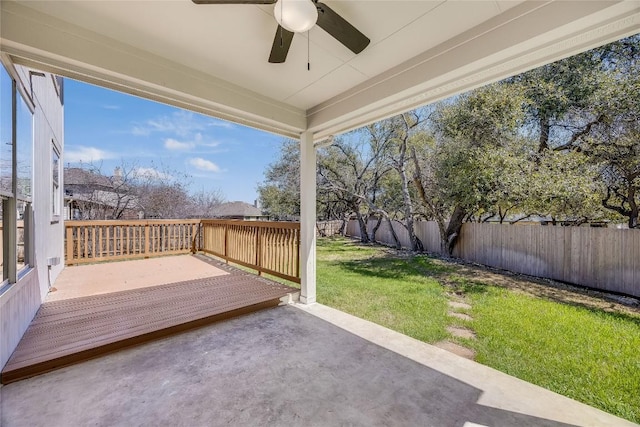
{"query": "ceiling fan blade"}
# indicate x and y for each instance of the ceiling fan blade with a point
(340, 29)
(281, 45)
(234, 1)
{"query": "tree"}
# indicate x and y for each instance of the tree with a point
(204, 203)
(589, 104)
(452, 173)
(399, 134)
(555, 93)
(351, 170)
(614, 146)
(156, 192)
(279, 194)
(564, 186)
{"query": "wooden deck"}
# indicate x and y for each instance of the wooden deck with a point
(73, 330)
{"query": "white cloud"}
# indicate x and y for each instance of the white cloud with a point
(152, 173)
(180, 123)
(86, 154)
(204, 165)
(173, 144)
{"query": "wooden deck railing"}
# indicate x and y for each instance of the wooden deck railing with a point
(94, 241)
(268, 247)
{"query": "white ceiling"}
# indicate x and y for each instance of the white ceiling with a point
(213, 58)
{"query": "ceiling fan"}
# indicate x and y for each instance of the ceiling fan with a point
(299, 16)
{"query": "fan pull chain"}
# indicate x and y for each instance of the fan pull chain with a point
(308, 50)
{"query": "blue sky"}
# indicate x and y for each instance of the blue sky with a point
(109, 128)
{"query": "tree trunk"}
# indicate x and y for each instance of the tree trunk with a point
(343, 226)
(633, 220)
(375, 229)
(634, 209)
(393, 233)
(364, 235)
(452, 233)
(545, 128)
(416, 244)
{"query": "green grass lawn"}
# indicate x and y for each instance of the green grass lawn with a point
(398, 293)
(582, 352)
(589, 355)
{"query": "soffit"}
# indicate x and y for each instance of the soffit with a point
(213, 58)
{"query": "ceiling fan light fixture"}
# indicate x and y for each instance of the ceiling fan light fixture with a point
(297, 16)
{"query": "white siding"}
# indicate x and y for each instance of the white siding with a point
(21, 302)
(48, 126)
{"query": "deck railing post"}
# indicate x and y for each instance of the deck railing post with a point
(69, 251)
(226, 258)
(194, 234)
(146, 239)
(258, 251)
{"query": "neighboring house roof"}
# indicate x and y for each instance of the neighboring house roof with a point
(88, 186)
(236, 209)
(107, 198)
(79, 176)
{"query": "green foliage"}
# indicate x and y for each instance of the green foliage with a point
(280, 192)
(565, 186)
(562, 140)
(485, 117)
(613, 144)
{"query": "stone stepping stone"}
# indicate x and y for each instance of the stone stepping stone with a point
(461, 332)
(459, 305)
(456, 349)
(460, 315)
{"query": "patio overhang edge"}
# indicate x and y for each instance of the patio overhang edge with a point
(526, 36)
(530, 35)
(71, 51)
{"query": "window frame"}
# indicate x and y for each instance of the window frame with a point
(56, 189)
(11, 274)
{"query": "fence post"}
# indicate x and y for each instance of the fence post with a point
(69, 245)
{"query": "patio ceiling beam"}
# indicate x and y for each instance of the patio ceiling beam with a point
(529, 35)
(43, 42)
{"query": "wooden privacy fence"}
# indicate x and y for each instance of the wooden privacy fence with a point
(269, 247)
(601, 258)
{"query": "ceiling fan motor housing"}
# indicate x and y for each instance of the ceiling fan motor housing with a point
(297, 16)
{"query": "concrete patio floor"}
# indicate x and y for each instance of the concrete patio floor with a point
(291, 365)
(95, 279)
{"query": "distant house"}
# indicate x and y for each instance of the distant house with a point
(89, 195)
(239, 210)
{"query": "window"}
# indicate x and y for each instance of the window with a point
(55, 181)
(6, 134)
(24, 150)
(22, 178)
(16, 160)
(6, 144)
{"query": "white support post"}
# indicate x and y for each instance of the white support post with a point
(307, 218)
